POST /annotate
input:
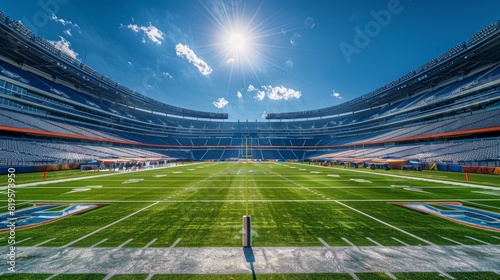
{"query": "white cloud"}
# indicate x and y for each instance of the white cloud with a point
(64, 22)
(336, 95)
(240, 96)
(184, 51)
(275, 93)
(68, 32)
(220, 103)
(64, 46)
(130, 63)
(230, 60)
(281, 92)
(153, 33)
(251, 88)
(264, 115)
(166, 74)
(260, 95)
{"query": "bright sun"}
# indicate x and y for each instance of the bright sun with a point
(237, 42)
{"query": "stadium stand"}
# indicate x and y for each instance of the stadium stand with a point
(54, 110)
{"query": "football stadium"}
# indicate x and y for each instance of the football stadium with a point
(99, 181)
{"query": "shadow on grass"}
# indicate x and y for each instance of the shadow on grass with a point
(250, 258)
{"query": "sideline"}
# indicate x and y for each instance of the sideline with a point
(89, 177)
(268, 260)
(411, 178)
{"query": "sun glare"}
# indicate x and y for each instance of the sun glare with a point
(237, 42)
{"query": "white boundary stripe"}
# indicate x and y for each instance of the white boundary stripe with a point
(425, 179)
(391, 275)
(251, 200)
(394, 238)
(479, 204)
(175, 243)
(445, 274)
(44, 242)
(150, 243)
(353, 275)
(495, 237)
(109, 225)
(334, 254)
(108, 276)
(150, 275)
(85, 177)
(374, 242)
(17, 242)
(486, 243)
(451, 240)
(52, 276)
(100, 242)
(324, 243)
(125, 243)
(384, 223)
(350, 243)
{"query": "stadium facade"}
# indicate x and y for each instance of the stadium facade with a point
(56, 110)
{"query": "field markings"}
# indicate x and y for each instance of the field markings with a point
(150, 243)
(175, 243)
(44, 242)
(495, 237)
(17, 242)
(385, 223)
(425, 179)
(336, 259)
(84, 177)
(109, 225)
(478, 240)
(350, 243)
(99, 243)
(374, 242)
(391, 275)
(251, 200)
(451, 240)
(125, 243)
(479, 204)
(394, 238)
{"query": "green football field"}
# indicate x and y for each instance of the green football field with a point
(292, 205)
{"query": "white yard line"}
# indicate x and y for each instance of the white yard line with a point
(279, 260)
(479, 204)
(451, 240)
(150, 243)
(83, 178)
(98, 243)
(394, 238)
(413, 178)
(350, 243)
(125, 243)
(109, 225)
(478, 240)
(175, 243)
(374, 242)
(44, 242)
(384, 223)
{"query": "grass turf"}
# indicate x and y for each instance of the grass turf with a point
(290, 204)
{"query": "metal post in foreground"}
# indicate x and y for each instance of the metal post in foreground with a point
(247, 231)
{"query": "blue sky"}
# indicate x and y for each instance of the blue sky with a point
(248, 58)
